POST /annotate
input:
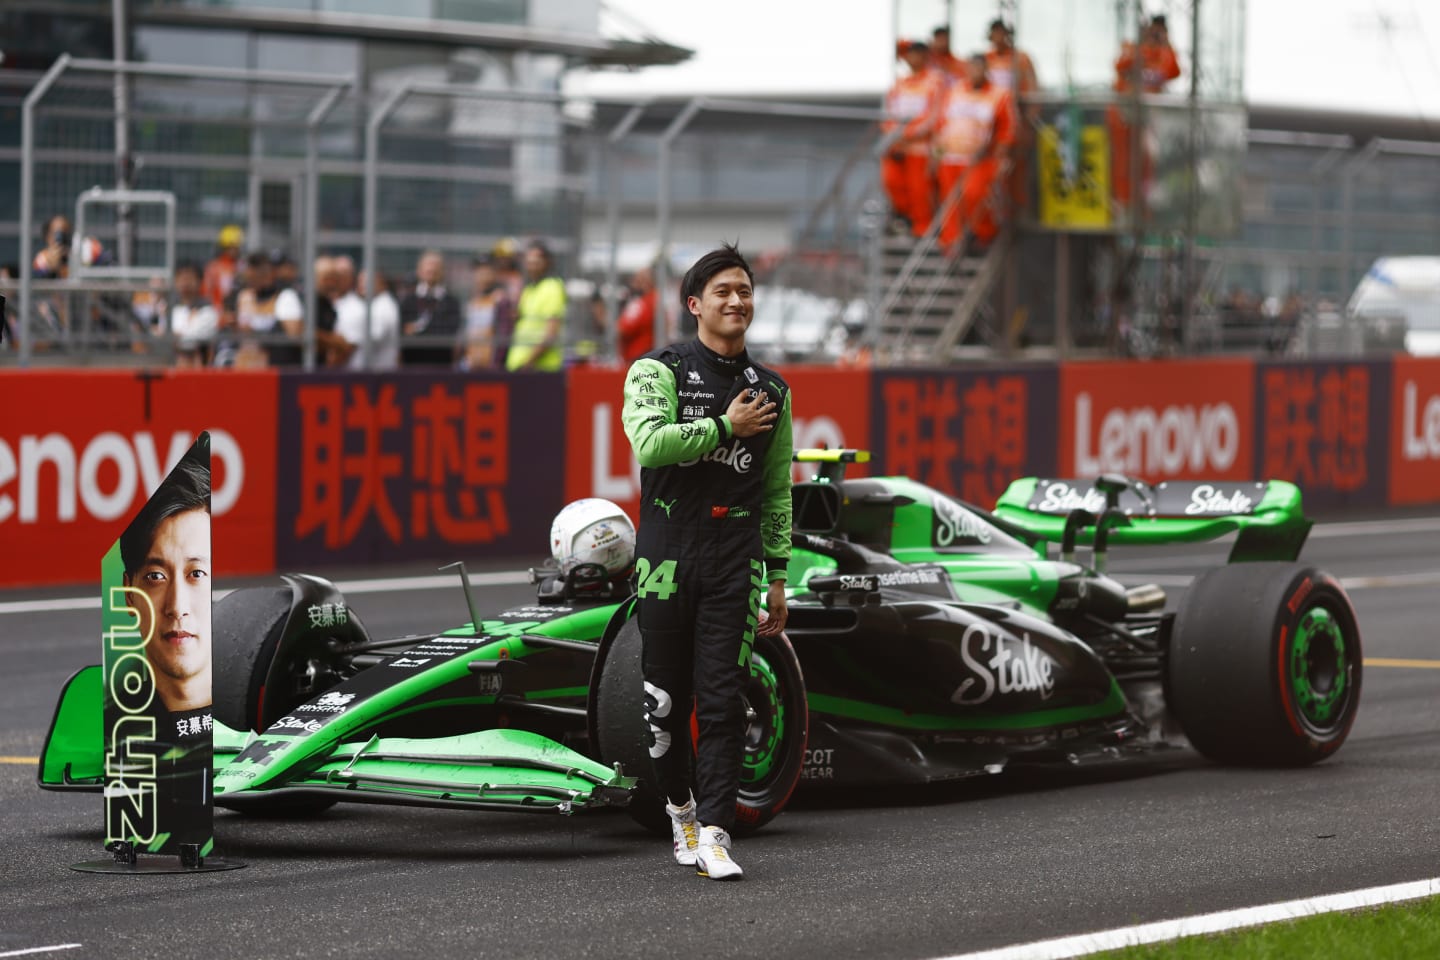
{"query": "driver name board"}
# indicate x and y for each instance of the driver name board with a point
(155, 624)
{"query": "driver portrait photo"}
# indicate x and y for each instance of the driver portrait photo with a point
(166, 554)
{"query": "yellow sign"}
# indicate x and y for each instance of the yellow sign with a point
(1078, 194)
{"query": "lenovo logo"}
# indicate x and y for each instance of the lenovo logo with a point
(1166, 442)
(1422, 427)
(105, 477)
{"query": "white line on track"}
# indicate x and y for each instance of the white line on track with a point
(1366, 528)
(1085, 944)
(1422, 578)
(28, 950)
(348, 587)
(1359, 528)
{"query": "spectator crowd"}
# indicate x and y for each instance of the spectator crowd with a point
(247, 310)
(960, 132)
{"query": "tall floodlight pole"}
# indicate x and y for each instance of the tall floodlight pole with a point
(1192, 198)
(123, 174)
(663, 216)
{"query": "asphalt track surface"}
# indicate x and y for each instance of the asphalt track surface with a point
(1009, 859)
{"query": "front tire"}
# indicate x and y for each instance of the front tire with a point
(1264, 665)
(777, 727)
(268, 660)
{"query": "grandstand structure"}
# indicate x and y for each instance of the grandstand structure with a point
(443, 124)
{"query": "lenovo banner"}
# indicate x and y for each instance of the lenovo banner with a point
(1415, 430)
(829, 408)
(418, 466)
(1158, 420)
(80, 451)
(967, 432)
(1322, 426)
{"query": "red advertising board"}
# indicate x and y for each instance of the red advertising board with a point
(966, 432)
(415, 465)
(830, 408)
(1321, 427)
(81, 451)
(1415, 430)
(1158, 420)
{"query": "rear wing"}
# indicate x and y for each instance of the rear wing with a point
(1265, 515)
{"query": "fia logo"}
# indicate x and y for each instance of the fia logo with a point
(751, 375)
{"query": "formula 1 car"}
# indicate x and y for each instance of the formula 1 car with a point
(927, 640)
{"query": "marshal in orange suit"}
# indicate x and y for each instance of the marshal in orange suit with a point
(1154, 62)
(910, 107)
(976, 132)
(1011, 69)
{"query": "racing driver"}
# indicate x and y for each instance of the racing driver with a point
(711, 431)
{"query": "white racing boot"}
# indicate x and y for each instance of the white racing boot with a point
(685, 831)
(712, 856)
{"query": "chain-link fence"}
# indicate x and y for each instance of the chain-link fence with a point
(226, 146)
(297, 164)
(795, 185)
(1284, 224)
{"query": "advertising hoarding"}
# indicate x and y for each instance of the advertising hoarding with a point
(1414, 430)
(418, 466)
(968, 433)
(1158, 420)
(80, 451)
(1321, 426)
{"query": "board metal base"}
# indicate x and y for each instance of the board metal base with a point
(157, 865)
(125, 860)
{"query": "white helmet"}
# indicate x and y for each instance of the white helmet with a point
(593, 530)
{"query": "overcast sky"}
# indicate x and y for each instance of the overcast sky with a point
(1371, 55)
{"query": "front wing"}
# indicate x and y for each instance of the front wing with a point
(488, 769)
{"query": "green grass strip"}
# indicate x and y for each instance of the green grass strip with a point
(1401, 930)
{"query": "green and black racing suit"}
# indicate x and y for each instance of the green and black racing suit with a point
(714, 529)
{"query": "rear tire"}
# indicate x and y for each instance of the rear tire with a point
(1264, 665)
(777, 727)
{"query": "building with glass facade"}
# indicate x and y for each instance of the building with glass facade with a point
(459, 169)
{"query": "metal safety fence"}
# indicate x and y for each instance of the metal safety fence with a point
(1217, 213)
(302, 164)
(795, 185)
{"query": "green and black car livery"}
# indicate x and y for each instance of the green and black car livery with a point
(938, 640)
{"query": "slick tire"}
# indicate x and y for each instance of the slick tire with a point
(1264, 665)
(267, 657)
(777, 727)
(246, 627)
(265, 664)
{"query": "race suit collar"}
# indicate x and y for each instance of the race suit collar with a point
(730, 366)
